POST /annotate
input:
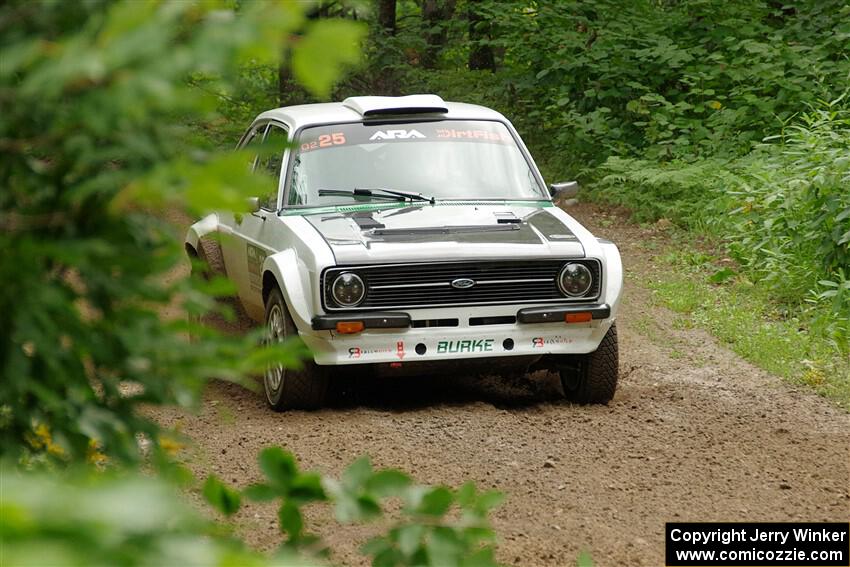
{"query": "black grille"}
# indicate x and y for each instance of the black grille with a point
(400, 286)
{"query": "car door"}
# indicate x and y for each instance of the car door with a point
(232, 247)
(253, 232)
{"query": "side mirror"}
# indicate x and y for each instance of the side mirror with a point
(566, 189)
(253, 204)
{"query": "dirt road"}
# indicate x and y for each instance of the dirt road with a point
(693, 434)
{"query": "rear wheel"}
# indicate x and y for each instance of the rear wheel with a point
(287, 388)
(209, 252)
(212, 265)
(593, 377)
(209, 263)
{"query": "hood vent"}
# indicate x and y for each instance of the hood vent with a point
(365, 221)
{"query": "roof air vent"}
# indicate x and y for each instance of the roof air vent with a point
(411, 104)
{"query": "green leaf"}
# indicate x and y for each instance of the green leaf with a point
(307, 487)
(346, 509)
(357, 473)
(722, 275)
(368, 507)
(388, 482)
(481, 558)
(278, 465)
(490, 499)
(387, 558)
(409, 538)
(260, 493)
(476, 534)
(376, 545)
(222, 498)
(291, 522)
(319, 58)
(466, 495)
(584, 560)
(352, 508)
(444, 547)
(436, 502)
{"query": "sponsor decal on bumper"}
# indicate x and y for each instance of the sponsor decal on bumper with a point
(412, 345)
(468, 345)
(540, 342)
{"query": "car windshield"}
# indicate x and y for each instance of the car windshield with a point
(442, 159)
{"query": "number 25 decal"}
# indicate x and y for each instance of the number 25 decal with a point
(335, 139)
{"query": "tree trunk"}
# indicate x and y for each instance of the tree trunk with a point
(386, 16)
(284, 76)
(480, 52)
(435, 19)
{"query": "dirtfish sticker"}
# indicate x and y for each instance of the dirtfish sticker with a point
(470, 345)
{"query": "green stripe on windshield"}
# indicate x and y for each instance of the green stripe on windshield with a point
(376, 206)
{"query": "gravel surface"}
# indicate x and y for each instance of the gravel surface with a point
(694, 434)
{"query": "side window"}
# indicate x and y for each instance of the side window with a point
(297, 185)
(276, 138)
(255, 138)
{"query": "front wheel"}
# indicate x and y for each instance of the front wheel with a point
(593, 377)
(288, 388)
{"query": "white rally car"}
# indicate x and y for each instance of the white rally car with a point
(415, 235)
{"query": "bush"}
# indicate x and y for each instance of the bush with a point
(109, 519)
(96, 162)
(783, 211)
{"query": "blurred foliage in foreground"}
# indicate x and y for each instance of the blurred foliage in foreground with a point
(110, 519)
(97, 165)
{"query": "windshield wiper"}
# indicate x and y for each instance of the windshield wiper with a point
(405, 194)
(359, 193)
(378, 192)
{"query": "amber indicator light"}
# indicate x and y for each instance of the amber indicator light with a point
(349, 327)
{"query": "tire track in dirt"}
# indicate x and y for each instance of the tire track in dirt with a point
(694, 434)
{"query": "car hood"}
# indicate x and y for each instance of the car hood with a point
(446, 231)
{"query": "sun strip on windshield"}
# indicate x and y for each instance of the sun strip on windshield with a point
(358, 134)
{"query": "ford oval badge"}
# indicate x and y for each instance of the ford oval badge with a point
(463, 283)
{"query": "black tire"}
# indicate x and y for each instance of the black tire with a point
(212, 258)
(305, 388)
(212, 263)
(593, 377)
(209, 252)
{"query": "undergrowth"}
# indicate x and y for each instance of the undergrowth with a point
(747, 318)
(782, 213)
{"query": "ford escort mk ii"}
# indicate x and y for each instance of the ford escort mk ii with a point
(411, 235)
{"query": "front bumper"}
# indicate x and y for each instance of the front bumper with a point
(531, 335)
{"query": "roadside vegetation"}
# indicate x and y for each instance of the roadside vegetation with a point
(766, 266)
(99, 105)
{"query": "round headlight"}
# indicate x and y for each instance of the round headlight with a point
(348, 289)
(575, 280)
